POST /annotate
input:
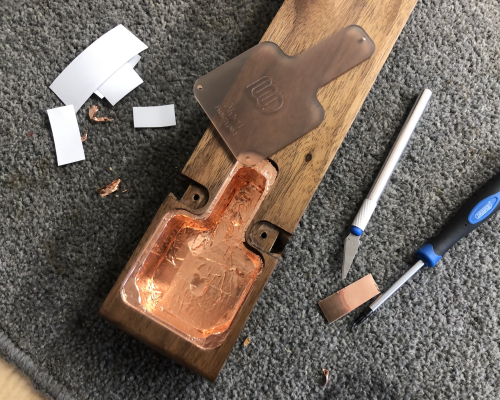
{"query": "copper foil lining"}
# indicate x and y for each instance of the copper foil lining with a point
(197, 271)
(84, 137)
(327, 376)
(93, 111)
(344, 301)
(108, 189)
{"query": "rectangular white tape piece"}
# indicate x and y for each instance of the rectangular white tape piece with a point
(69, 147)
(132, 62)
(95, 64)
(121, 83)
(154, 117)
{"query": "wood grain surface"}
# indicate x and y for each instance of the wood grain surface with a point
(14, 385)
(298, 25)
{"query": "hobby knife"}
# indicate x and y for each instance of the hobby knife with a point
(352, 242)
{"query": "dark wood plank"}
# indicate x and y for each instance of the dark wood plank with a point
(298, 25)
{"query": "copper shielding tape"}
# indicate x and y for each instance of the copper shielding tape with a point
(108, 189)
(197, 270)
(344, 301)
(93, 111)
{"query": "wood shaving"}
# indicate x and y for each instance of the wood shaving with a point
(327, 376)
(247, 342)
(108, 189)
(84, 137)
(93, 111)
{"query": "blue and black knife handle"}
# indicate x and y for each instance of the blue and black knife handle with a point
(476, 211)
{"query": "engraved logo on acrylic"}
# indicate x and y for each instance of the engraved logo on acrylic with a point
(267, 94)
(229, 118)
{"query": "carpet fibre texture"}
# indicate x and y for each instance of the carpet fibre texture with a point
(62, 246)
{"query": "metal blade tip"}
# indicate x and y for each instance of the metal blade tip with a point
(351, 245)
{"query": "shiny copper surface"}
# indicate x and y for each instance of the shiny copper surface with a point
(108, 189)
(344, 301)
(327, 376)
(93, 111)
(198, 270)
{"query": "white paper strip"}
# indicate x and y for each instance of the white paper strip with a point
(133, 62)
(154, 117)
(69, 147)
(121, 83)
(95, 65)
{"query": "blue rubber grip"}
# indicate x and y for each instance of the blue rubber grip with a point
(476, 211)
(356, 231)
(427, 255)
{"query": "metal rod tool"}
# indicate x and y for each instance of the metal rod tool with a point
(476, 211)
(352, 242)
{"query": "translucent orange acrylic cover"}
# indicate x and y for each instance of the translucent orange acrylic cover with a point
(263, 100)
(196, 271)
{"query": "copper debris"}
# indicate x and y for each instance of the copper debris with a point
(84, 137)
(93, 111)
(247, 342)
(344, 301)
(108, 189)
(327, 376)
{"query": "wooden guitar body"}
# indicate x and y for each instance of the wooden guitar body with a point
(142, 301)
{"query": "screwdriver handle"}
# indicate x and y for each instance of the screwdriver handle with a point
(476, 211)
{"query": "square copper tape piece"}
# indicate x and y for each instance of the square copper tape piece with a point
(263, 100)
(351, 297)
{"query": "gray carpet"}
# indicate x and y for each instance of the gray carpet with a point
(62, 246)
